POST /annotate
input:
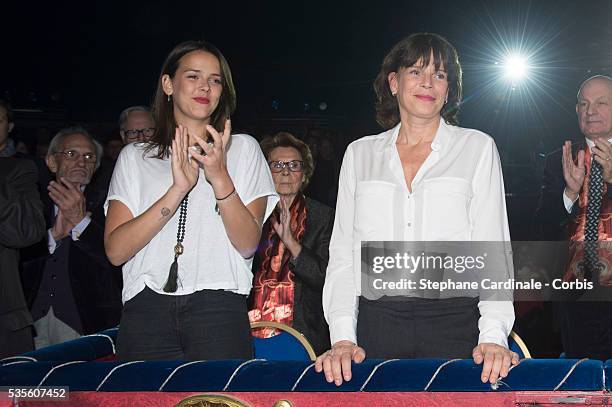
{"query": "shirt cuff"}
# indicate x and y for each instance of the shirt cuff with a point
(51, 243)
(80, 227)
(343, 329)
(568, 202)
(493, 336)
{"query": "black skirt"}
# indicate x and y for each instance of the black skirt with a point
(408, 328)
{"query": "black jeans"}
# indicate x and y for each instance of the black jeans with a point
(208, 324)
(407, 328)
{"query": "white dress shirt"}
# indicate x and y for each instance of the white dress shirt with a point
(457, 195)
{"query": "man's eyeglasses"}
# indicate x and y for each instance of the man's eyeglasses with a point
(294, 166)
(134, 134)
(73, 155)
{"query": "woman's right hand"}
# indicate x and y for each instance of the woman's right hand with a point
(336, 362)
(185, 172)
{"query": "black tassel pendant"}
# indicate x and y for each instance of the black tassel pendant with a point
(172, 283)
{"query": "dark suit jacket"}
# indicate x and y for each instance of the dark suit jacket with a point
(21, 224)
(96, 284)
(309, 270)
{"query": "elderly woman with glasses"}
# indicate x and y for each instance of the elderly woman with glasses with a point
(290, 263)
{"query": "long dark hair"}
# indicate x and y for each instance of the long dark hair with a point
(163, 109)
(405, 54)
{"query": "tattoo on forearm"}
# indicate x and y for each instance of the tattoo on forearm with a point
(165, 212)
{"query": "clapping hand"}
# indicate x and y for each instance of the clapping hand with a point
(283, 227)
(572, 173)
(70, 202)
(213, 156)
(602, 153)
(185, 172)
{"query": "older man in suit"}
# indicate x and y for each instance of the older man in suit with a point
(71, 287)
(576, 204)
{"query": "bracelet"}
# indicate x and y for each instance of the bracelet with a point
(227, 196)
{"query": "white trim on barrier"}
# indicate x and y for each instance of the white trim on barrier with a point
(513, 366)
(302, 375)
(495, 386)
(113, 370)
(238, 368)
(57, 367)
(438, 370)
(30, 358)
(175, 370)
(104, 336)
(374, 371)
(569, 373)
(17, 362)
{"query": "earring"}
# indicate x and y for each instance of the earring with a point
(168, 98)
(394, 93)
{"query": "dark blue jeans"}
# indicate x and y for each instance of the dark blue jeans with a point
(208, 324)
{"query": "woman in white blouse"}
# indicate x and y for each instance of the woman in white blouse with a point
(424, 179)
(184, 213)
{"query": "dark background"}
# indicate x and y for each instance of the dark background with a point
(91, 60)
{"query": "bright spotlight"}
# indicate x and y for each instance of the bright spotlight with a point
(515, 67)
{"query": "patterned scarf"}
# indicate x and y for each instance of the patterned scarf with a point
(576, 266)
(273, 296)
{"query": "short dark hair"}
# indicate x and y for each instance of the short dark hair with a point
(163, 107)
(9, 110)
(405, 54)
(286, 139)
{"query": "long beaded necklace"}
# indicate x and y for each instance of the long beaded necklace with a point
(172, 282)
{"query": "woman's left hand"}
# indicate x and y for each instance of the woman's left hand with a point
(497, 360)
(213, 156)
(283, 228)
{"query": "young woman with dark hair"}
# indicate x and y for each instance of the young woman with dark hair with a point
(184, 213)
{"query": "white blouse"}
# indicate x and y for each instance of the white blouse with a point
(457, 195)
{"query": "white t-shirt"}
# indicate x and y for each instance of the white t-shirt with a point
(209, 260)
